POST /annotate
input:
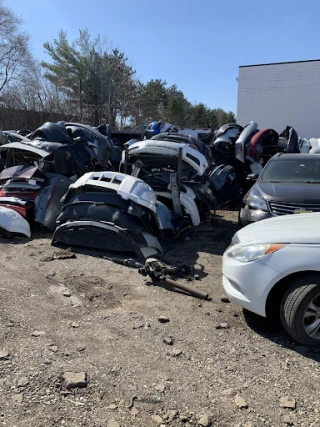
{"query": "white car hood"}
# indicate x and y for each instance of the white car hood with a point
(295, 228)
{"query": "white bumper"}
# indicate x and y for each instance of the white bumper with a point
(248, 284)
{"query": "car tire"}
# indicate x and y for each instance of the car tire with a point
(303, 291)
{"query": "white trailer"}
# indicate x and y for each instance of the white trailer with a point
(280, 94)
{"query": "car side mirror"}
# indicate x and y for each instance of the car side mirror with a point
(252, 177)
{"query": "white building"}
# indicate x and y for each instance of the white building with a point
(281, 94)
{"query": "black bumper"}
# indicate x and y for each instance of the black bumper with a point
(249, 215)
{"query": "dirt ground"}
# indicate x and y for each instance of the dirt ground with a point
(210, 363)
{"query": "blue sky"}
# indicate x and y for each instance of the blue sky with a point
(198, 46)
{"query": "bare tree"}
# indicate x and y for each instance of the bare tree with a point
(14, 48)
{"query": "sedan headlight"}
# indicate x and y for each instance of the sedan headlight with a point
(256, 202)
(253, 252)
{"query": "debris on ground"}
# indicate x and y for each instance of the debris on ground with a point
(37, 333)
(75, 379)
(288, 402)
(240, 402)
(4, 354)
(223, 326)
(63, 254)
(205, 420)
(23, 382)
(163, 319)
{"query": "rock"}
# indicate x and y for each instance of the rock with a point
(113, 406)
(37, 333)
(287, 419)
(170, 416)
(196, 277)
(204, 420)
(176, 352)
(75, 379)
(157, 419)
(160, 387)
(134, 411)
(240, 402)
(53, 348)
(163, 319)
(74, 325)
(223, 326)
(81, 347)
(4, 354)
(17, 398)
(184, 418)
(66, 293)
(187, 239)
(65, 254)
(23, 382)
(168, 340)
(113, 423)
(224, 299)
(288, 402)
(228, 392)
(65, 392)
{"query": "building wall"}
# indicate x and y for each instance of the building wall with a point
(278, 95)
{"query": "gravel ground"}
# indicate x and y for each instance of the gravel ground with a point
(85, 342)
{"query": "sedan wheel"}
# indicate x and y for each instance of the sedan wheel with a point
(300, 310)
(312, 318)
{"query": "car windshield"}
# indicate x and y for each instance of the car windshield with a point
(292, 171)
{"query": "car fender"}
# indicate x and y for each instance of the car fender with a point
(293, 258)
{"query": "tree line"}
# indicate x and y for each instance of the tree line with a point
(86, 80)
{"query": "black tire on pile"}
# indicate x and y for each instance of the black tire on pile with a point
(294, 303)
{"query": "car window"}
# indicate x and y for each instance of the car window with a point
(293, 170)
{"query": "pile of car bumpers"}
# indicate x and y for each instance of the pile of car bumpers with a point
(78, 182)
(74, 180)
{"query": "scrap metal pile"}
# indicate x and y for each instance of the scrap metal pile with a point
(93, 191)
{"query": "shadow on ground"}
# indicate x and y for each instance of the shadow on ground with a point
(273, 331)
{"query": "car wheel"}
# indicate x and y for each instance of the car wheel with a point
(300, 310)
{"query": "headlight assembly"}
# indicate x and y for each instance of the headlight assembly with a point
(256, 202)
(253, 252)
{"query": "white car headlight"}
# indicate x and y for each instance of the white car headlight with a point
(252, 252)
(256, 202)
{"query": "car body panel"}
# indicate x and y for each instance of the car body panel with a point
(300, 228)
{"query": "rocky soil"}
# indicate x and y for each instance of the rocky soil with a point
(86, 342)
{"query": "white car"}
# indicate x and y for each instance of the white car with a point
(273, 267)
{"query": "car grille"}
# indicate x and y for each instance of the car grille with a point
(280, 208)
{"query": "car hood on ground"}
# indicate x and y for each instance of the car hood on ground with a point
(289, 192)
(296, 228)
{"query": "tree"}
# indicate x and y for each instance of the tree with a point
(153, 100)
(68, 70)
(178, 108)
(98, 83)
(15, 57)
